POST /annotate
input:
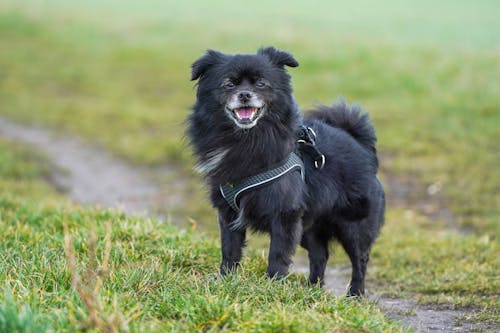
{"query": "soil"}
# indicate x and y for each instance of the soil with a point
(90, 175)
(422, 318)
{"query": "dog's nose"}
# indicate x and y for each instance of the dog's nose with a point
(244, 96)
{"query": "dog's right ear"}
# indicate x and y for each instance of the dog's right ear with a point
(200, 66)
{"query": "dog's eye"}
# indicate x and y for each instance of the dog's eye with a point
(260, 84)
(229, 85)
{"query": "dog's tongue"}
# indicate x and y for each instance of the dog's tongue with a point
(245, 112)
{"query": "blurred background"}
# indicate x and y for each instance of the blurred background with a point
(116, 73)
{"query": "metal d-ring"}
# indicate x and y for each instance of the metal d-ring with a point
(312, 132)
(322, 164)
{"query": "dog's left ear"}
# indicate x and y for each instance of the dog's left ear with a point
(200, 66)
(277, 57)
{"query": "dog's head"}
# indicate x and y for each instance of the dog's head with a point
(245, 87)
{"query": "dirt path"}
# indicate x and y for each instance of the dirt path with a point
(89, 175)
(408, 312)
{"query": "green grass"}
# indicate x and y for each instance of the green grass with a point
(13, 319)
(125, 86)
(461, 23)
(415, 256)
(150, 277)
(24, 172)
(117, 75)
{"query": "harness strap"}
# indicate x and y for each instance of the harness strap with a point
(230, 191)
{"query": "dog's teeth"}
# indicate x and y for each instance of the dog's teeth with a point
(245, 112)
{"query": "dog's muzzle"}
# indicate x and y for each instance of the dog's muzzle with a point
(245, 108)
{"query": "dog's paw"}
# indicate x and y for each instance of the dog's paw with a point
(226, 268)
(277, 273)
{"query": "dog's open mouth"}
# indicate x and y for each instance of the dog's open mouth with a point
(246, 113)
(245, 116)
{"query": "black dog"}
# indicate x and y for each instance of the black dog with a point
(244, 127)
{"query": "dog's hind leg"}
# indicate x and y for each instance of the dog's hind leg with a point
(232, 243)
(357, 245)
(358, 236)
(359, 261)
(285, 235)
(317, 250)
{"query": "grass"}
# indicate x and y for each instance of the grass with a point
(117, 75)
(13, 319)
(122, 87)
(125, 274)
(415, 256)
(25, 172)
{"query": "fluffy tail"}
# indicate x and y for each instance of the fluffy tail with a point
(351, 119)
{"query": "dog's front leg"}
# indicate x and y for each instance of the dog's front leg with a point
(286, 231)
(232, 243)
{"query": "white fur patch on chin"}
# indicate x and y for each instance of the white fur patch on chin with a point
(214, 158)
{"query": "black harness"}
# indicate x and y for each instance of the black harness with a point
(306, 143)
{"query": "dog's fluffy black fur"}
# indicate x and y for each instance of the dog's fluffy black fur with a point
(244, 122)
